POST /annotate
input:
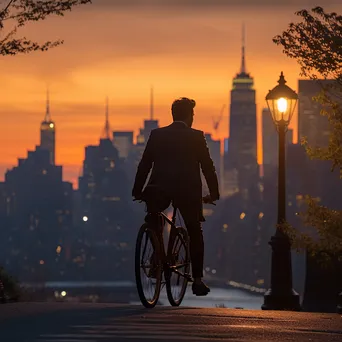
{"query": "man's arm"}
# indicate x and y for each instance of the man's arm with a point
(144, 168)
(208, 168)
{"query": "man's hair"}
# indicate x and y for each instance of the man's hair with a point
(182, 109)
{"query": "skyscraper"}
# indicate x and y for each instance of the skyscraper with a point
(150, 124)
(269, 139)
(316, 128)
(123, 141)
(104, 193)
(39, 208)
(311, 124)
(242, 155)
(48, 132)
(215, 153)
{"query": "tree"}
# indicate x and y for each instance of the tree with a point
(17, 13)
(316, 44)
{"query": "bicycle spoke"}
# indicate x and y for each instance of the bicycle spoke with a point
(179, 269)
(148, 270)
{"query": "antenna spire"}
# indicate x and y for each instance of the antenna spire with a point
(151, 104)
(106, 129)
(47, 113)
(243, 61)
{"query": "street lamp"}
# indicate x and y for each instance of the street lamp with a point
(281, 101)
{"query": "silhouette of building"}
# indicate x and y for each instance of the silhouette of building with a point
(269, 139)
(226, 145)
(123, 141)
(242, 155)
(289, 136)
(40, 216)
(150, 124)
(215, 153)
(311, 124)
(315, 127)
(144, 133)
(104, 222)
(48, 132)
(3, 200)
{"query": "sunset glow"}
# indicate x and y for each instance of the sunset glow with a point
(121, 52)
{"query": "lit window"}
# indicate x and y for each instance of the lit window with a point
(299, 197)
(260, 281)
(112, 164)
(242, 216)
(261, 215)
(58, 249)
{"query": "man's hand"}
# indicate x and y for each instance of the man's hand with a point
(137, 198)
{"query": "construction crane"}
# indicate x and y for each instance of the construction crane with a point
(217, 120)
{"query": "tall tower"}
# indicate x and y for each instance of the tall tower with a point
(150, 124)
(242, 154)
(106, 134)
(48, 132)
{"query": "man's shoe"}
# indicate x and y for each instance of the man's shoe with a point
(200, 289)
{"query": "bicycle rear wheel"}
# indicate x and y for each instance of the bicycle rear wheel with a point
(148, 268)
(179, 259)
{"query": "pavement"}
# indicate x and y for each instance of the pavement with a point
(88, 322)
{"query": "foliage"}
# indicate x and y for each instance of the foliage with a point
(316, 44)
(10, 284)
(17, 13)
(323, 232)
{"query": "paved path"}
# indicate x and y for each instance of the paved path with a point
(67, 322)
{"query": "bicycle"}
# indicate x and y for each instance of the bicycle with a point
(174, 265)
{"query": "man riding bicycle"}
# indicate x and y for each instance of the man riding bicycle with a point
(175, 154)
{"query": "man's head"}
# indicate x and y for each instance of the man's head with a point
(183, 110)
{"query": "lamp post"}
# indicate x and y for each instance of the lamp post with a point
(281, 101)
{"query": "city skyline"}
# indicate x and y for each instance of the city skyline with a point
(159, 48)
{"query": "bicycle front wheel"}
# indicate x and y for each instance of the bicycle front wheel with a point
(148, 267)
(179, 263)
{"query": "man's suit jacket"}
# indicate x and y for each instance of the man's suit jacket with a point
(176, 154)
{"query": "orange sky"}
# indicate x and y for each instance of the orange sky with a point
(121, 51)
